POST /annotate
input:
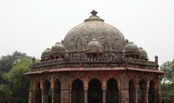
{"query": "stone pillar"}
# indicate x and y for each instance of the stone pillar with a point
(119, 95)
(43, 92)
(136, 94)
(145, 92)
(159, 92)
(124, 88)
(104, 95)
(124, 95)
(31, 98)
(64, 95)
(104, 86)
(52, 95)
(65, 89)
(85, 95)
(43, 96)
(52, 89)
(70, 91)
(85, 90)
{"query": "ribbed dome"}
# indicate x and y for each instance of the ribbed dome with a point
(94, 27)
(57, 48)
(142, 53)
(132, 48)
(94, 46)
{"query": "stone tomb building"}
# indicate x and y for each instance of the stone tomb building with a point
(95, 64)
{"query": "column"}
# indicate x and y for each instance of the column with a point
(31, 94)
(104, 95)
(136, 94)
(146, 100)
(42, 92)
(52, 94)
(119, 94)
(104, 86)
(43, 95)
(70, 91)
(52, 89)
(85, 90)
(85, 95)
(31, 98)
(124, 88)
(159, 91)
(65, 89)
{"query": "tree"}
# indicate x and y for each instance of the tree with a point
(5, 91)
(13, 83)
(168, 67)
(17, 82)
(168, 79)
(7, 62)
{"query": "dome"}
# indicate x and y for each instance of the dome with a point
(94, 47)
(142, 53)
(94, 27)
(46, 54)
(131, 48)
(57, 48)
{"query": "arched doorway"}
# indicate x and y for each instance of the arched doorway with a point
(57, 94)
(38, 94)
(112, 95)
(94, 91)
(151, 93)
(132, 98)
(47, 92)
(77, 95)
(142, 88)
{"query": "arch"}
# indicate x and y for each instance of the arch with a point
(77, 94)
(57, 92)
(47, 91)
(112, 94)
(152, 92)
(94, 91)
(38, 94)
(141, 92)
(132, 98)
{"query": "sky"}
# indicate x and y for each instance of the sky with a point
(31, 26)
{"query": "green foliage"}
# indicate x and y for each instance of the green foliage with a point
(7, 62)
(167, 79)
(168, 67)
(5, 91)
(19, 84)
(13, 82)
(167, 90)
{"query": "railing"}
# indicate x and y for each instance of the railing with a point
(98, 61)
(139, 61)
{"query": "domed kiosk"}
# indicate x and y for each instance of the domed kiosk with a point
(95, 64)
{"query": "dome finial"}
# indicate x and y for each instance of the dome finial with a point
(93, 12)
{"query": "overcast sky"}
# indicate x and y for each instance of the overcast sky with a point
(30, 26)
